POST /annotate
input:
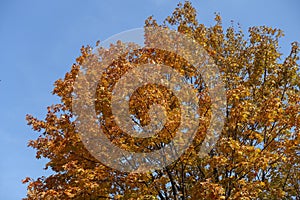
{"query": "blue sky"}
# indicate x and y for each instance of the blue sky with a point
(41, 39)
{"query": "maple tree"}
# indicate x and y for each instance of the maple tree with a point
(256, 156)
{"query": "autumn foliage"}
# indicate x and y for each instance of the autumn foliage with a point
(256, 156)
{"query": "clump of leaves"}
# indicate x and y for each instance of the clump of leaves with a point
(257, 156)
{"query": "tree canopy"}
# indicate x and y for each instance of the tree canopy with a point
(256, 156)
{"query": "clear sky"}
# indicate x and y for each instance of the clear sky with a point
(41, 39)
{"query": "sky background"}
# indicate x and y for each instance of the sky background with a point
(39, 41)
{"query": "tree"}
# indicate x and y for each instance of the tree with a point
(256, 156)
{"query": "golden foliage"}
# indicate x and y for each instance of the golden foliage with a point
(257, 156)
